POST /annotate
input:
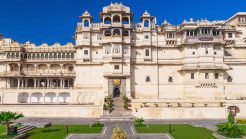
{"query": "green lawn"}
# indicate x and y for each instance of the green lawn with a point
(2, 129)
(60, 131)
(243, 127)
(179, 131)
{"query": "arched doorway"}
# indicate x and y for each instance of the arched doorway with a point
(116, 92)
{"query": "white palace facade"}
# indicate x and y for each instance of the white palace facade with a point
(196, 69)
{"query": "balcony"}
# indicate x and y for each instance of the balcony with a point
(49, 73)
(203, 38)
(49, 59)
(10, 74)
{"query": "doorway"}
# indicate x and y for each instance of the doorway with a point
(116, 92)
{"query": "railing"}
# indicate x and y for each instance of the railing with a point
(208, 37)
(41, 88)
(17, 73)
(50, 59)
(230, 59)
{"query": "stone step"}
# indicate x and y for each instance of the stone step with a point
(24, 129)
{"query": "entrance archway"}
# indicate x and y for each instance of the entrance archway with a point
(116, 92)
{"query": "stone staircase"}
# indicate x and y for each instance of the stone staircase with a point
(25, 129)
(118, 112)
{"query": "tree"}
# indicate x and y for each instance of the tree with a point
(7, 118)
(118, 133)
(231, 118)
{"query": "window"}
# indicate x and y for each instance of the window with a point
(147, 52)
(170, 79)
(216, 75)
(206, 76)
(229, 35)
(116, 67)
(170, 35)
(116, 32)
(107, 20)
(229, 79)
(146, 36)
(96, 52)
(206, 51)
(116, 19)
(107, 33)
(125, 33)
(192, 76)
(215, 53)
(85, 52)
(125, 20)
(146, 23)
(86, 23)
(70, 68)
(193, 53)
(147, 79)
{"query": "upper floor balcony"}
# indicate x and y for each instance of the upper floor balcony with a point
(203, 38)
(49, 59)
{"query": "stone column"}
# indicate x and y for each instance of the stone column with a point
(18, 85)
(48, 68)
(35, 83)
(35, 66)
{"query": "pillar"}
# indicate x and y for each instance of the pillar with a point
(35, 83)
(18, 85)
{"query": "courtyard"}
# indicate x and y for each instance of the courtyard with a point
(156, 129)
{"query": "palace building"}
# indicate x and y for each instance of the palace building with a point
(196, 69)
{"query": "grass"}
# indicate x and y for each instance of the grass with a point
(243, 127)
(178, 131)
(60, 131)
(2, 129)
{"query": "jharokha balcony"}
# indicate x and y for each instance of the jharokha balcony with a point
(204, 38)
(37, 73)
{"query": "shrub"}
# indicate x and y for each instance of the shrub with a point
(139, 122)
(97, 124)
(231, 118)
(118, 133)
(230, 130)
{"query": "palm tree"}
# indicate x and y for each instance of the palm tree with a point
(8, 117)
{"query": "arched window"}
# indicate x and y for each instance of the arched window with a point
(42, 56)
(46, 55)
(86, 23)
(59, 55)
(116, 32)
(170, 79)
(206, 76)
(116, 19)
(17, 55)
(107, 20)
(72, 55)
(125, 33)
(216, 75)
(63, 55)
(146, 23)
(107, 33)
(147, 79)
(38, 55)
(229, 79)
(192, 76)
(8, 55)
(125, 20)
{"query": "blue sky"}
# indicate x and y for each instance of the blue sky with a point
(53, 21)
